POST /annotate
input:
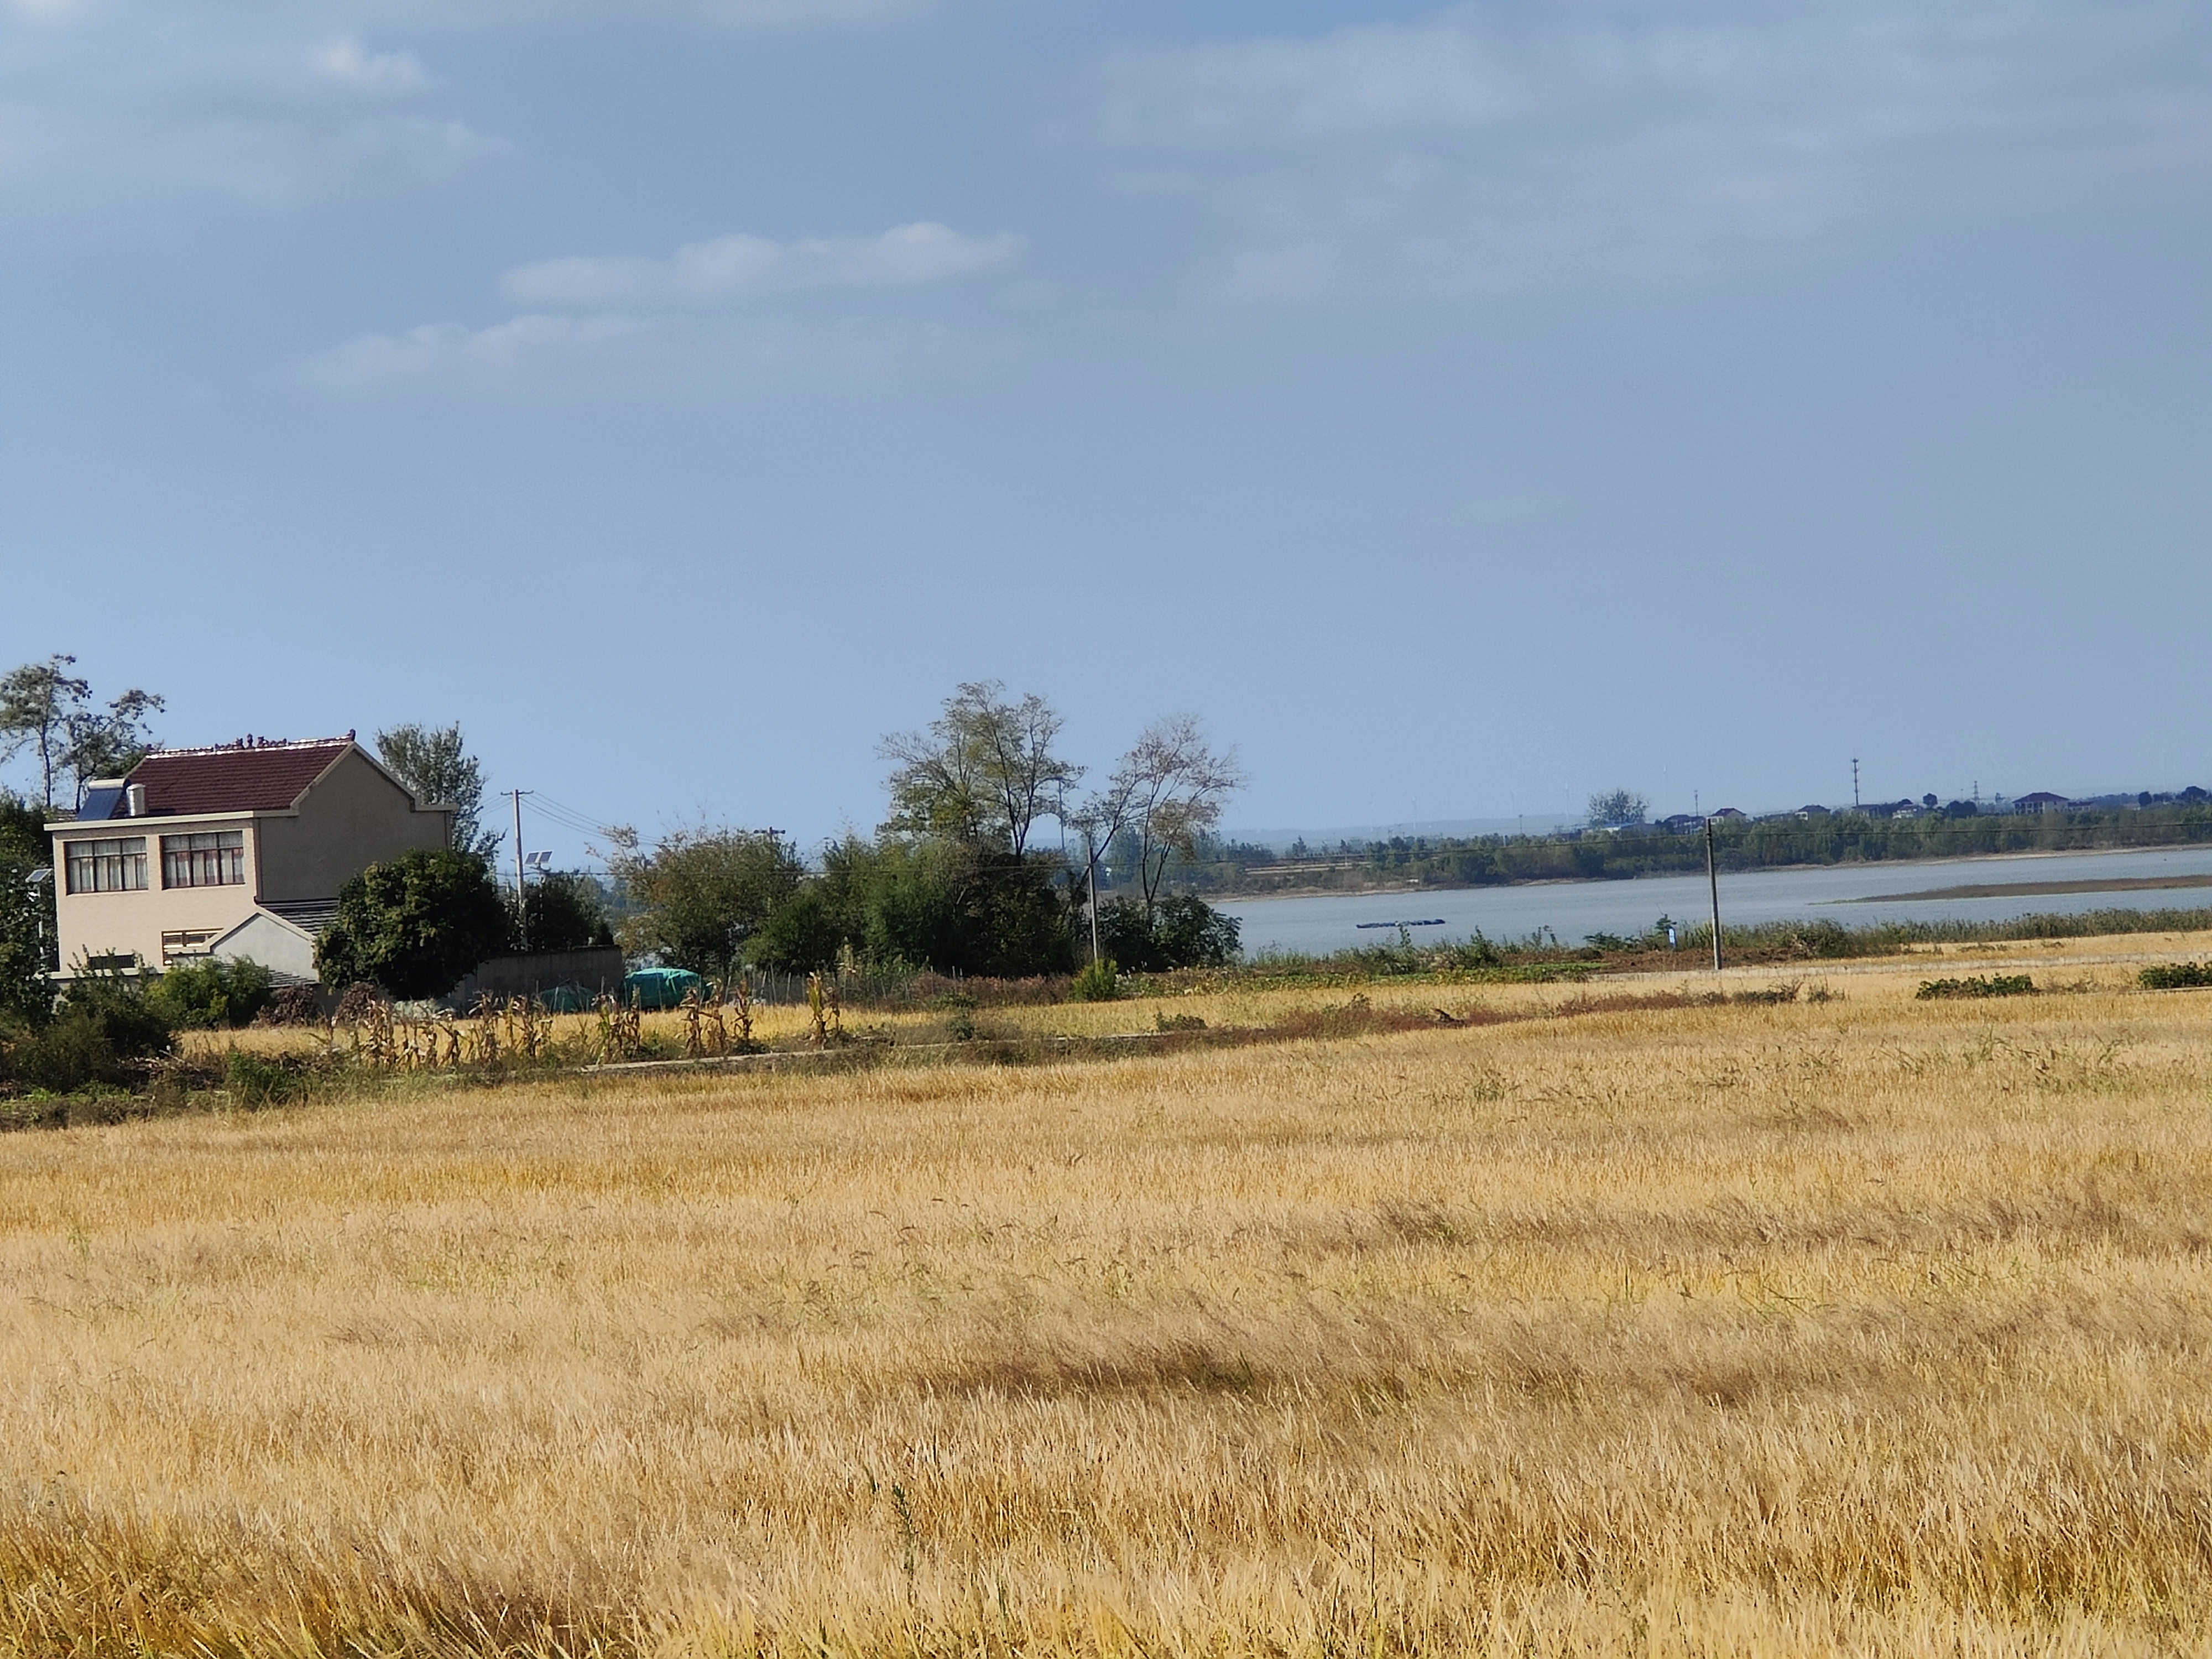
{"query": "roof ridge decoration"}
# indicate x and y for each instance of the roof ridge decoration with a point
(249, 744)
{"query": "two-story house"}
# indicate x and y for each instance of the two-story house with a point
(232, 852)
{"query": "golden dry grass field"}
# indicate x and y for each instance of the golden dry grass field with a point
(1860, 1327)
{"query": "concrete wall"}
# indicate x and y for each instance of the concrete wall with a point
(277, 946)
(131, 924)
(598, 969)
(354, 817)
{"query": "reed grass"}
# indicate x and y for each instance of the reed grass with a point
(1861, 1326)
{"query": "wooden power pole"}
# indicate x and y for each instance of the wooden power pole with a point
(1713, 878)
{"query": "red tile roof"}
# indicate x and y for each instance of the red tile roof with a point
(265, 777)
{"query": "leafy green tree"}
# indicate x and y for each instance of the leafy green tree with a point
(983, 772)
(561, 911)
(805, 934)
(49, 711)
(702, 895)
(107, 743)
(416, 925)
(944, 905)
(27, 933)
(435, 762)
(1179, 931)
(27, 940)
(1617, 809)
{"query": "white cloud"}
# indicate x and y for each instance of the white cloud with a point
(347, 62)
(727, 266)
(1501, 146)
(128, 103)
(443, 349)
(706, 355)
(730, 14)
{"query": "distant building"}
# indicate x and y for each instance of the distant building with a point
(1815, 811)
(2041, 801)
(1728, 814)
(236, 852)
(1682, 823)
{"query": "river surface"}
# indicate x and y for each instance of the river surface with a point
(1853, 895)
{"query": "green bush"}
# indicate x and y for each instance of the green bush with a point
(2177, 976)
(214, 992)
(1096, 982)
(104, 1031)
(1990, 985)
(414, 926)
(26, 933)
(254, 1080)
(1179, 931)
(561, 911)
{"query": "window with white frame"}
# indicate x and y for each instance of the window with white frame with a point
(212, 858)
(108, 866)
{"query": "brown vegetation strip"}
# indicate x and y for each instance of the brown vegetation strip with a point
(2036, 889)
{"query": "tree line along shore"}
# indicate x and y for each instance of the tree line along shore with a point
(1223, 870)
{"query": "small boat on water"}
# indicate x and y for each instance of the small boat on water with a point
(1437, 922)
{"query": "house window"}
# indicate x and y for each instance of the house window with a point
(186, 944)
(108, 866)
(214, 860)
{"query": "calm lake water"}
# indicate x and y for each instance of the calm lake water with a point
(1855, 895)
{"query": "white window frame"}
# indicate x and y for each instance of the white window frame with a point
(109, 865)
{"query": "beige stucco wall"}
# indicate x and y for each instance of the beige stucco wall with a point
(272, 941)
(131, 924)
(353, 818)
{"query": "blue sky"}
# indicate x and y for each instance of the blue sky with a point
(1461, 409)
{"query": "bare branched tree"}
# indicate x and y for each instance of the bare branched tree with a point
(48, 710)
(984, 771)
(1165, 793)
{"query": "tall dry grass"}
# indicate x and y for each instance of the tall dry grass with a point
(1866, 1327)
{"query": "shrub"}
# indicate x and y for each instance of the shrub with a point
(216, 992)
(104, 1031)
(27, 933)
(1180, 931)
(415, 924)
(561, 911)
(1097, 982)
(1990, 985)
(2177, 976)
(255, 1080)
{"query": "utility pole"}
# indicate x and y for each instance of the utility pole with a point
(1854, 783)
(517, 794)
(1713, 876)
(1090, 857)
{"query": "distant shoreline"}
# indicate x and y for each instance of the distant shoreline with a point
(1991, 889)
(2032, 889)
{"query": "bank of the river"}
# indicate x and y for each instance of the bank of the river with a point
(1854, 895)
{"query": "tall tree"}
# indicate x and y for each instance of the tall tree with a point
(415, 924)
(50, 711)
(984, 772)
(704, 894)
(1164, 794)
(1617, 809)
(436, 764)
(107, 743)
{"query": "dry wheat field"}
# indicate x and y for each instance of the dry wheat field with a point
(1862, 1326)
